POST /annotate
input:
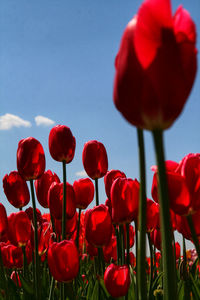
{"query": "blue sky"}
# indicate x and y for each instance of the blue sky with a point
(57, 61)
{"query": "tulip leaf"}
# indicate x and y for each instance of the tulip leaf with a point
(195, 288)
(95, 294)
(104, 288)
(28, 286)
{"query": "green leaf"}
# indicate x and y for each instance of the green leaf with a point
(28, 286)
(95, 294)
(104, 288)
(195, 287)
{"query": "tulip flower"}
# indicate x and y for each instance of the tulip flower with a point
(30, 158)
(15, 277)
(95, 159)
(19, 228)
(98, 226)
(16, 189)
(152, 215)
(110, 250)
(156, 238)
(29, 212)
(117, 280)
(62, 144)
(63, 260)
(42, 186)
(84, 192)
(155, 66)
(110, 177)
(125, 200)
(3, 222)
(55, 200)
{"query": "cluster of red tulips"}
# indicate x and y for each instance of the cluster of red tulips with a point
(71, 254)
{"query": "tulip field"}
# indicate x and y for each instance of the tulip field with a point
(125, 248)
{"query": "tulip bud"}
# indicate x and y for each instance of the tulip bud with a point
(30, 158)
(84, 192)
(62, 144)
(95, 159)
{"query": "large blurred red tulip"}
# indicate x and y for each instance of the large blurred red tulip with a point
(156, 65)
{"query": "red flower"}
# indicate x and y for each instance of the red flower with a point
(84, 192)
(152, 217)
(29, 212)
(19, 228)
(125, 200)
(110, 250)
(156, 238)
(189, 168)
(95, 159)
(3, 222)
(117, 280)
(179, 197)
(155, 66)
(42, 186)
(30, 158)
(70, 227)
(63, 260)
(16, 189)
(55, 200)
(62, 143)
(44, 237)
(110, 177)
(98, 226)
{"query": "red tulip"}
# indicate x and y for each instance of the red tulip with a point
(16, 189)
(30, 158)
(3, 222)
(63, 260)
(55, 200)
(19, 228)
(70, 227)
(152, 215)
(179, 197)
(155, 66)
(42, 186)
(62, 144)
(156, 238)
(29, 212)
(44, 237)
(95, 159)
(91, 250)
(110, 177)
(98, 226)
(110, 250)
(109, 205)
(84, 192)
(189, 168)
(125, 200)
(117, 280)
(177, 250)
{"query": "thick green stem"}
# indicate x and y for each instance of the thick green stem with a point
(141, 270)
(127, 244)
(194, 236)
(166, 230)
(36, 256)
(64, 201)
(97, 191)
(78, 229)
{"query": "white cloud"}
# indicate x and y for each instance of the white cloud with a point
(9, 121)
(81, 173)
(40, 120)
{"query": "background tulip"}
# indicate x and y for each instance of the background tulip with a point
(63, 260)
(30, 158)
(95, 159)
(16, 189)
(110, 177)
(117, 280)
(84, 192)
(62, 143)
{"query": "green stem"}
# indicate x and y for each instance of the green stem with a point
(78, 229)
(53, 224)
(3, 277)
(166, 230)
(51, 289)
(25, 273)
(64, 201)
(194, 236)
(36, 256)
(121, 235)
(127, 244)
(142, 220)
(118, 245)
(96, 191)
(151, 264)
(136, 252)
